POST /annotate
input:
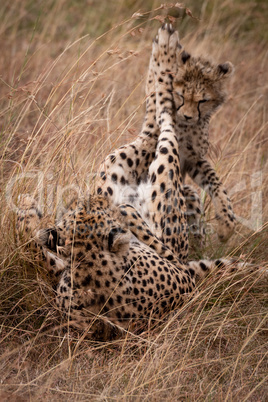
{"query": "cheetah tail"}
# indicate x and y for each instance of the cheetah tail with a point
(202, 268)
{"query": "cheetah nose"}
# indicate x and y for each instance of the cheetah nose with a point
(187, 117)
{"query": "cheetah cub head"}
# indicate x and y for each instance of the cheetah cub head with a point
(199, 88)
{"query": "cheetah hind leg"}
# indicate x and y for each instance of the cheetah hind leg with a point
(223, 266)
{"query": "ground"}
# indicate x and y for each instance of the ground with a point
(66, 103)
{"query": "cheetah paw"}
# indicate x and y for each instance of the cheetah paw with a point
(26, 202)
(225, 230)
(165, 47)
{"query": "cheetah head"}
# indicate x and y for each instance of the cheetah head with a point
(199, 88)
(94, 227)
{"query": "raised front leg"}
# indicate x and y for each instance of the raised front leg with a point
(128, 165)
(205, 176)
(165, 196)
(141, 230)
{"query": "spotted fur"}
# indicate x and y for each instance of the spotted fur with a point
(113, 272)
(199, 89)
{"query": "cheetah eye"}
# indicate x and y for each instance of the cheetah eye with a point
(203, 100)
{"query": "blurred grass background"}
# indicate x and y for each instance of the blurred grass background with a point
(72, 89)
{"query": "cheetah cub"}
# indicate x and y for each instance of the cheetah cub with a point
(199, 90)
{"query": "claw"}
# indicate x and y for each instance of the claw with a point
(170, 28)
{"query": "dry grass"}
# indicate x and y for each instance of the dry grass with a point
(72, 89)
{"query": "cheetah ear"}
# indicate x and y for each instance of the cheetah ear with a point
(184, 57)
(118, 238)
(50, 239)
(225, 70)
